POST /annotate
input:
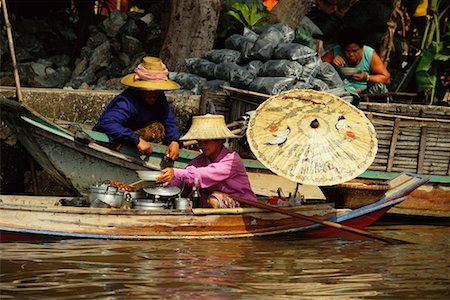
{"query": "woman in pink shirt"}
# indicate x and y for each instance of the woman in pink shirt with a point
(219, 172)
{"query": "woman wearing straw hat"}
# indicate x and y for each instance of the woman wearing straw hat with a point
(140, 106)
(219, 172)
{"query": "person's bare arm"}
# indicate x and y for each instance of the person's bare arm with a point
(378, 70)
(144, 147)
(328, 57)
(335, 60)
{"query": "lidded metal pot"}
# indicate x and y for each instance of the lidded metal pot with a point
(105, 195)
(157, 198)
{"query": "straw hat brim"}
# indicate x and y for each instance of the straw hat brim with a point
(208, 127)
(200, 135)
(166, 85)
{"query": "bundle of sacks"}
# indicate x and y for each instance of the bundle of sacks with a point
(265, 60)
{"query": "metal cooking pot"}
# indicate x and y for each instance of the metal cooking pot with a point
(164, 191)
(149, 204)
(182, 203)
(107, 194)
(129, 196)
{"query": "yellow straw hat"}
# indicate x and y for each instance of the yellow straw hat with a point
(208, 127)
(151, 75)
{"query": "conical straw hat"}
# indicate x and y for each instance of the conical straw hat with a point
(150, 75)
(208, 127)
(312, 137)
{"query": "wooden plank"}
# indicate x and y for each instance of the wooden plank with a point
(422, 147)
(408, 117)
(393, 145)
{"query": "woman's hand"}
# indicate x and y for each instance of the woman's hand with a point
(166, 177)
(173, 150)
(338, 61)
(144, 147)
(359, 76)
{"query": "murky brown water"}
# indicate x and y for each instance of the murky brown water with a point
(275, 268)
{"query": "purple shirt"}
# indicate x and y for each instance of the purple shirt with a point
(225, 174)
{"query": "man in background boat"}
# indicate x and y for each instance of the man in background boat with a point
(369, 76)
(141, 113)
(219, 172)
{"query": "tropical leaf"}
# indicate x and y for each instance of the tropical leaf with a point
(237, 17)
(248, 16)
(426, 80)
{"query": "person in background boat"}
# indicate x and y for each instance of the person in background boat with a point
(220, 173)
(372, 75)
(141, 113)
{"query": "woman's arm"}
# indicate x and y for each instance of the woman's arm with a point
(378, 71)
(113, 121)
(331, 58)
(211, 174)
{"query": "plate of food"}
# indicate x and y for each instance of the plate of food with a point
(347, 71)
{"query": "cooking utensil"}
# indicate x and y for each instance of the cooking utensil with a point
(167, 191)
(108, 194)
(166, 162)
(148, 175)
(148, 204)
(134, 195)
(182, 203)
(137, 182)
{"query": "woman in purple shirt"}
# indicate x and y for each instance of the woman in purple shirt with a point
(219, 172)
(142, 103)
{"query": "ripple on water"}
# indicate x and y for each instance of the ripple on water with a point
(283, 268)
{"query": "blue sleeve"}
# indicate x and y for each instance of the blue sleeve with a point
(170, 125)
(114, 121)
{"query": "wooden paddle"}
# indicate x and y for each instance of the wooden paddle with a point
(319, 221)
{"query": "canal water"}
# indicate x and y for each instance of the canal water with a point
(268, 268)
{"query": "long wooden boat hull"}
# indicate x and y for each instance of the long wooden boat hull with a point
(33, 216)
(44, 216)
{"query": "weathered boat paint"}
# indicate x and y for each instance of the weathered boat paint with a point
(38, 216)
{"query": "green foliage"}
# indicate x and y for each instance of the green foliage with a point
(434, 54)
(247, 16)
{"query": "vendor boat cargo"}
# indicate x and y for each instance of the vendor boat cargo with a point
(44, 216)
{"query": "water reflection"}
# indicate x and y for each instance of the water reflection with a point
(229, 269)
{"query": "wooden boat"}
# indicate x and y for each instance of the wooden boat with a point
(43, 216)
(80, 160)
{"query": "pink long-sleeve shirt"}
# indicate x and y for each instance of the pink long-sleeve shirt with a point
(225, 174)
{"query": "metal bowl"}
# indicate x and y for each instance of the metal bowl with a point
(148, 175)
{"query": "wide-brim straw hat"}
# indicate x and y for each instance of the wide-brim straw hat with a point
(150, 75)
(208, 127)
(312, 137)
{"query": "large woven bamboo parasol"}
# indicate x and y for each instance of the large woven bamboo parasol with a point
(312, 137)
